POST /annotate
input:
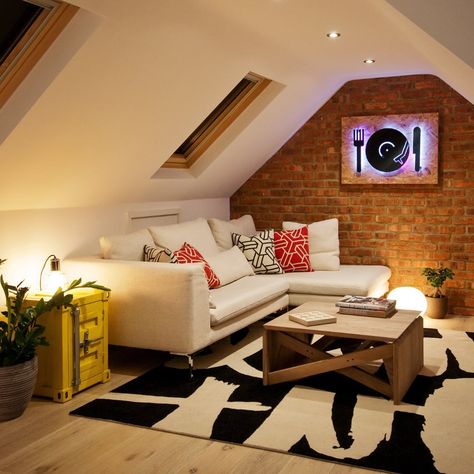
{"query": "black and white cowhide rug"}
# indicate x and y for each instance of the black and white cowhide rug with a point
(327, 417)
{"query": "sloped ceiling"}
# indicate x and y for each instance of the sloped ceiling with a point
(149, 71)
(449, 22)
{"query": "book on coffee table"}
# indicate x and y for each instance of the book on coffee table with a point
(311, 318)
(366, 303)
(368, 312)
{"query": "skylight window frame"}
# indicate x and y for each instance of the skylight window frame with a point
(34, 43)
(218, 126)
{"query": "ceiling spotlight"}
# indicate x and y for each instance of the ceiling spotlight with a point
(369, 61)
(333, 34)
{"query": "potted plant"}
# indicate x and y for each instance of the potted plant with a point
(20, 335)
(437, 302)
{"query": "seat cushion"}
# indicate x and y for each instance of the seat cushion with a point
(323, 243)
(230, 265)
(223, 230)
(196, 233)
(349, 280)
(244, 294)
(125, 246)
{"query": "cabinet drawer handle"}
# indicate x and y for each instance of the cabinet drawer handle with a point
(88, 342)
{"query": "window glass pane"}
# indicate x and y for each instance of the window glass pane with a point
(227, 103)
(16, 16)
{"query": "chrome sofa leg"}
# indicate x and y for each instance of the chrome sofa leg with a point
(190, 365)
(190, 361)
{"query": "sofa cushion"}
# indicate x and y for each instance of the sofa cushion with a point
(259, 250)
(197, 233)
(292, 250)
(323, 243)
(188, 254)
(157, 254)
(230, 265)
(125, 246)
(223, 230)
(243, 295)
(349, 280)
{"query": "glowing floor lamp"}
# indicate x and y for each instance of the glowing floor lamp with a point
(408, 297)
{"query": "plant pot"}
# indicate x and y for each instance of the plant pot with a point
(437, 308)
(17, 383)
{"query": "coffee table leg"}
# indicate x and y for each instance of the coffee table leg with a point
(277, 356)
(407, 359)
(266, 355)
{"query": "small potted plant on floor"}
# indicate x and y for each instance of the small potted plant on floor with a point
(437, 302)
(20, 335)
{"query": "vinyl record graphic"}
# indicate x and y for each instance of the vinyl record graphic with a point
(387, 150)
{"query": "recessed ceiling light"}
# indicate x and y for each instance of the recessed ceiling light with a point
(369, 61)
(333, 34)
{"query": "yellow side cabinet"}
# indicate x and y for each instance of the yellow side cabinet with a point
(77, 355)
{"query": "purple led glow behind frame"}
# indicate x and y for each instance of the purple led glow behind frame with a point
(406, 174)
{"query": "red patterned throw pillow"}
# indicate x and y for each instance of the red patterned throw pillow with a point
(292, 250)
(188, 254)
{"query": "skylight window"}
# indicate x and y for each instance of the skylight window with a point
(27, 30)
(233, 104)
(17, 16)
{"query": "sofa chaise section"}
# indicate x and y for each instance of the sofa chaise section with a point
(246, 294)
(362, 280)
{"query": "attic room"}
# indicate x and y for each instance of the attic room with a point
(88, 145)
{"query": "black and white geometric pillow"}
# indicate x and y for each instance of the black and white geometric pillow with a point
(158, 254)
(259, 250)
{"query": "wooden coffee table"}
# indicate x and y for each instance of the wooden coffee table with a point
(290, 351)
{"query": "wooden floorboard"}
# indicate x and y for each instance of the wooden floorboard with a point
(47, 439)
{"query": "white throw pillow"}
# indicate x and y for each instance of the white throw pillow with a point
(230, 265)
(223, 230)
(196, 233)
(323, 243)
(125, 246)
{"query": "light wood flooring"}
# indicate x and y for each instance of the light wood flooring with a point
(47, 439)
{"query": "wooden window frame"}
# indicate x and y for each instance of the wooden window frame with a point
(33, 44)
(219, 126)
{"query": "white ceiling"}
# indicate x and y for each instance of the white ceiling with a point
(128, 81)
(448, 21)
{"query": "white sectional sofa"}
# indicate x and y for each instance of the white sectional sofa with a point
(169, 307)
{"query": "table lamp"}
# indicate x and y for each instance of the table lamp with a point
(54, 279)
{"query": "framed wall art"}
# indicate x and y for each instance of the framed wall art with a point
(390, 149)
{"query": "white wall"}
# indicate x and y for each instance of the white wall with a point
(28, 237)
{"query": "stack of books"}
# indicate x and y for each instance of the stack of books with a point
(366, 306)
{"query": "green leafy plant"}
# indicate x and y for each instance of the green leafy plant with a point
(436, 278)
(20, 332)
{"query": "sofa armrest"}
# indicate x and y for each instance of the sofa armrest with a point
(153, 305)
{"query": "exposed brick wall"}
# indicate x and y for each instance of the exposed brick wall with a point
(402, 226)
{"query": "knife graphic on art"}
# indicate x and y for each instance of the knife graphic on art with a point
(416, 147)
